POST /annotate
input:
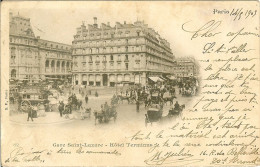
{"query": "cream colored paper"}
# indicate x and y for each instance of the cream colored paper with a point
(219, 127)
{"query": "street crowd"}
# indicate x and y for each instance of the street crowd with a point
(154, 95)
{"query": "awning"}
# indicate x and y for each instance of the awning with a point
(155, 79)
(172, 77)
(163, 78)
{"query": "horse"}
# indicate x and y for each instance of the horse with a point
(105, 116)
(170, 99)
(122, 98)
(147, 101)
(98, 116)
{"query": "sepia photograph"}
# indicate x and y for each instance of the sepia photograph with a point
(128, 83)
(125, 66)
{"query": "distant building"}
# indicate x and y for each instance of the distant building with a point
(32, 58)
(55, 60)
(185, 67)
(104, 55)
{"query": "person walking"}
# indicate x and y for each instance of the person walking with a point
(86, 99)
(30, 114)
(137, 104)
(61, 108)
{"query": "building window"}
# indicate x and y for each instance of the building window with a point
(126, 66)
(90, 58)
(13, 73)
(84, 65)
(111, 57)
(126, 48)
(126, 57)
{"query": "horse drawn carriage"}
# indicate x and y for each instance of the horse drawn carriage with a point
(168, 97)
(177, 111)
(155, 97)
(154, 114)
(32, 99)
(105, 115)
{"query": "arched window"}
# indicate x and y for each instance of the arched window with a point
(47, 63)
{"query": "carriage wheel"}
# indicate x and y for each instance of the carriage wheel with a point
(25, 105)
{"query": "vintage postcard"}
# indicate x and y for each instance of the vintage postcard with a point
(128, 83)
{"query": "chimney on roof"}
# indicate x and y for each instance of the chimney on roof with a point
(95, 22)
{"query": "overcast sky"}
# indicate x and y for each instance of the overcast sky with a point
(58, 21)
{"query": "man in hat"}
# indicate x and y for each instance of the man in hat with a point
(30, 114)
(61, 108)
(176, 107)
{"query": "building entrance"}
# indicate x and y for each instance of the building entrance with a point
(105, 79)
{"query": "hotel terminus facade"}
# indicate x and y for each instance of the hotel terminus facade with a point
(104, 55)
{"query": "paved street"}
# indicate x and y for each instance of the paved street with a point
(126, 112)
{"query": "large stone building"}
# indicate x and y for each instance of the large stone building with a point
(104, 55)
(24, 54)
(185, 67)
(32, 58)
(56, 60)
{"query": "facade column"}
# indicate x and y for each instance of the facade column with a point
(72, 79)
(80, 79)
(94, 79)
(108, 80)
(101, 80)
(55, 67)
(65, 67)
